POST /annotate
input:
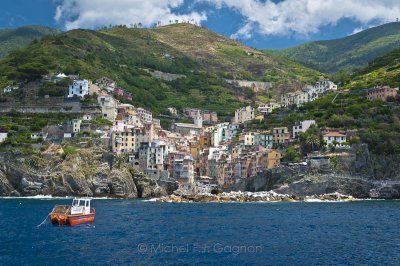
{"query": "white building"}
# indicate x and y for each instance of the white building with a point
(183, 170)
(219, 134)
(87, 117)
(190, 129)
(267, 108)
(145, 115)
(9, 89)
(173, 111)
(73, 126)
(106, 84)
(152, 155)
(79, 88)
(232, 131)
(248, 138)
(302, 126)
(320, 87)
(244, 114)
(334, 138)
(297, 98)
(3, 135)
(38, 135)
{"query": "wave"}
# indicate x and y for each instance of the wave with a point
(150, 200)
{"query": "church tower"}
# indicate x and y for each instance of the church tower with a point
(198, 120)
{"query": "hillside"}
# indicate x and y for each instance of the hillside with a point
(11, 39)
(122, 53)
(384, 70)
(353, 51)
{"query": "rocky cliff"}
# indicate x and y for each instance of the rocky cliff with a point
(84, 169)
(352, 171)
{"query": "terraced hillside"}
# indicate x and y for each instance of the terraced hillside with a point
(123, 53)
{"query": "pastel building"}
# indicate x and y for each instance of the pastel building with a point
(248, 139)
(244, 114)
(108, 107)
(264, 139)
(145, 115)
(297, 98)
(381, 93)
(183, 170)
(280, 135)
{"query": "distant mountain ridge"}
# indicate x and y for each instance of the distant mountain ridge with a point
(354, 51)
(11, 39)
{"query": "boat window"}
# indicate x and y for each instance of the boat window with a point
(75, 203)
(87, 203)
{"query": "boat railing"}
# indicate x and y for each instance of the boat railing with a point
(62, 209)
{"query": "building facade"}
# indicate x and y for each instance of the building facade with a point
(381, 93)
(302, 126)
(79, 88)
(280, 135)
(244, 114)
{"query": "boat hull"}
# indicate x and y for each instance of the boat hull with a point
(58, 219)
(80, 219)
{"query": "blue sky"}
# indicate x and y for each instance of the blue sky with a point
(258, 23)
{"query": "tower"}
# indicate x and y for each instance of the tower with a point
(198, 120)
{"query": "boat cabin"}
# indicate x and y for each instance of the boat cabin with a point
(80, 206)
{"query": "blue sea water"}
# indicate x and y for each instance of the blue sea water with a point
(134, 232)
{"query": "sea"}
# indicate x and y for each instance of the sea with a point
(139, 232)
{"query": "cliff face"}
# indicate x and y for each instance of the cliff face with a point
(89, 171)
(354, 172)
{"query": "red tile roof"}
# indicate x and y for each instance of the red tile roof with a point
(333, 134)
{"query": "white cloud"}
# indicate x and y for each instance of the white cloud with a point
(265, 17)
(93, 13)
(305, 17)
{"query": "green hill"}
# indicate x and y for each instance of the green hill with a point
(123, 53)
(353, 51)
(11, 39)
(383, 70)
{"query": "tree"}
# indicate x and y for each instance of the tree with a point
(310, 140)
(313, 141)
(292, 155)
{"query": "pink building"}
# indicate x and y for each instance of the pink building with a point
(381, 93)
(127, 95)
(119, 91)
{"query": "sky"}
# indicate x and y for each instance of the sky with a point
(257, 23)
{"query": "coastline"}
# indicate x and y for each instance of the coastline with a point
(262, 196)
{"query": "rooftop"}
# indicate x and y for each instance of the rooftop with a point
(334, 134)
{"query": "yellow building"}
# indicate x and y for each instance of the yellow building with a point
(273, 158)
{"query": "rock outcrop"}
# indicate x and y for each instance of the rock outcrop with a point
(350, 171)
(262, 196)
(90, 171)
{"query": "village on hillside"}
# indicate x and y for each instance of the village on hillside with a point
(205, 153)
